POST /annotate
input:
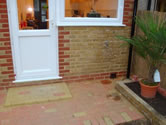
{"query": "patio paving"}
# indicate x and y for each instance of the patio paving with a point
(92, 103)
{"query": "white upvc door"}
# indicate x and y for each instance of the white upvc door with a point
(34, 49)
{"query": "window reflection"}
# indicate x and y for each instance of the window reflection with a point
(91, 8)
(33, 14)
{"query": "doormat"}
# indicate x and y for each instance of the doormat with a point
(37, 94)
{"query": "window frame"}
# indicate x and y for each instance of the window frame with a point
(78, 21)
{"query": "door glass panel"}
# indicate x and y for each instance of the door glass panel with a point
(33, 14)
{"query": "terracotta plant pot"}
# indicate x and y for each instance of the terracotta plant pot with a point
(148, 91)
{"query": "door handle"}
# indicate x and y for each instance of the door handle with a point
(48, 20)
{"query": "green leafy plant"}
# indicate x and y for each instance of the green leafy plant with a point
(150, 43)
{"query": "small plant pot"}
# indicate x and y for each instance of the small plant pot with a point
(148, 91)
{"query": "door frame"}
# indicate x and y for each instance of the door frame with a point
(14, 47)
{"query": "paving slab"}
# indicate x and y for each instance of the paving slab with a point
(92, 103)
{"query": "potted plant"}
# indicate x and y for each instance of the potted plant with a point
(150, 44)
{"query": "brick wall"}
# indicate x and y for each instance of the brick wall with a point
(128, 12)
(91, 52)
(85, 53)
(6, 65)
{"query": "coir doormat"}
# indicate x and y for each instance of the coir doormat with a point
(37, 94)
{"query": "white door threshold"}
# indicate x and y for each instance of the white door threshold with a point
(38, 79)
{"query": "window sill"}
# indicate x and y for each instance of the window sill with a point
(89, 24)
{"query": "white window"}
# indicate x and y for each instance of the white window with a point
(90, 12)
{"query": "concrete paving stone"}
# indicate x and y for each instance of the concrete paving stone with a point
(126, 116)
(116, 118)
(101, 121)
(87, 122)
(107, 120)
(79, 114)
(51, 110)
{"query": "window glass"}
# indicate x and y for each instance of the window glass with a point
(33, 14)
(91, 8)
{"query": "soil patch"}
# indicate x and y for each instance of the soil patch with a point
(158, 103)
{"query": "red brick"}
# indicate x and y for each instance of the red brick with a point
(127, 5)
(5, 56)
(9, 60)
(84, 76)
(64, 41)
(4, 84)
(61, 60)
(65, 63)
(61, 68)
(8, 80)
(61, 74)
(3, 6)
(127, 24)
(3, 21)
(5, 48)
(4, 16)
(1, 88)
(7, 72)
(10, 68)
(127, 17)
(3, 11)
(7, 64)
(5, 25)
(64, 48)
(3, 1)
(4, 30)
(61, 28)
(64, 56)
(61, 45)
(6, 34)
(128, 9)
(8, 52)
(64, 33)
(61, 37)
(125, 21)
(74, 77)
(61, 53)
(4, 39)
(122, 73)
(12, 76)
(129, 1)
(7, 44)
(64, 71)
(126, 13)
